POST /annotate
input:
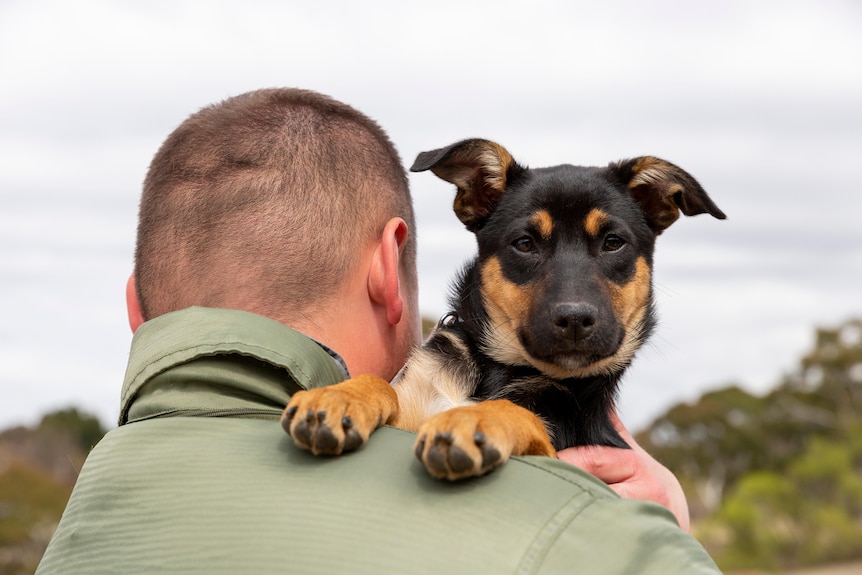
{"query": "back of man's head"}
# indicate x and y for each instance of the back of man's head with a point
(263, 203)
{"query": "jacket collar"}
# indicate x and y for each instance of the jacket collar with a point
(200, 361)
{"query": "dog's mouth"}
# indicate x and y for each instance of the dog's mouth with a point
(512, 346)
(569, 361)
(566, 358)
(558, 350)
(582, 365)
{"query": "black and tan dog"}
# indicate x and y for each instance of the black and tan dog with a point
(544, 322)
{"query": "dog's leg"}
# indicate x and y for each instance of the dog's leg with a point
(470, 441)
(432, 383)
(339, 418)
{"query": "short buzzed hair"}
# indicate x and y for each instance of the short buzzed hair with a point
(263, 202)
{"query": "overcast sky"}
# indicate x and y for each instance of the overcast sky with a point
(760, 101)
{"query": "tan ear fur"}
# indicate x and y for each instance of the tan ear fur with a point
(663, 190)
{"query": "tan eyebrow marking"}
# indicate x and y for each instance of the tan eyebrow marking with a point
(594, 221)
(544, 223)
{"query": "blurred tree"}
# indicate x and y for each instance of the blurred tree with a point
(84, 427)
(713, 443)
(760, 520)
(833, 369)
(775, 481)
(807, 515)
(38, 467)
(31, 503)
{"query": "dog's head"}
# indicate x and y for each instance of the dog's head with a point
(565, 253)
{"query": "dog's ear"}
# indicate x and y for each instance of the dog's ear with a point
(663, 190)
(480, 169)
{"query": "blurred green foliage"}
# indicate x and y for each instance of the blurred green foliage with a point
(775, 481)
(38, 467)
(86, 429)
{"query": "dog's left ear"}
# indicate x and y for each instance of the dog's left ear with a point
(480, 169)
(663, 190)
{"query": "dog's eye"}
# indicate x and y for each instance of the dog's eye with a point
(524, 244)
(613, 243)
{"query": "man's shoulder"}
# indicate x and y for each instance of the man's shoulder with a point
(243, 487)
(555, 518)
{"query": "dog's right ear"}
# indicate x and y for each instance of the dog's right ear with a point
(480, 169)
(663, 190)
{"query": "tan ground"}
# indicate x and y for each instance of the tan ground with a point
(843, 569)
(854, 568)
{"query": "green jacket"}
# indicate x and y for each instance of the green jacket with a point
(200, 478)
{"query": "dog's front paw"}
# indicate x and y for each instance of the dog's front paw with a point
(471, 441)
(318, 420)
(339, 418)
(448, 455)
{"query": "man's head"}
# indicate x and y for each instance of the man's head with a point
(270, 202)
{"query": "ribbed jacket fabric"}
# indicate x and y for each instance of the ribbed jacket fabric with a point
(200, 478)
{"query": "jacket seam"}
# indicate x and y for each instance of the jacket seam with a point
(537, 551)
(581, 483)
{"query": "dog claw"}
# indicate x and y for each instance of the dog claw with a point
(490, 457)
(302, 432)
(352, 440)
(325, 441)
(444, 438)
(459, 461)
(435, 460)
(420, 448)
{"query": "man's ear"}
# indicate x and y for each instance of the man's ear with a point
(384, 277)
(133, 306)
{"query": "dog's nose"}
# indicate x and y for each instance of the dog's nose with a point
(574, 320)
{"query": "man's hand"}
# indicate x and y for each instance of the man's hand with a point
(632, 473)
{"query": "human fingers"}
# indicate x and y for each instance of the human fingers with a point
(610, 464)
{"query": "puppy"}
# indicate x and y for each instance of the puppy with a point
(544, 320)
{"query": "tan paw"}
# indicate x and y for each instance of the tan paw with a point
(339, 418)
(471, 441)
